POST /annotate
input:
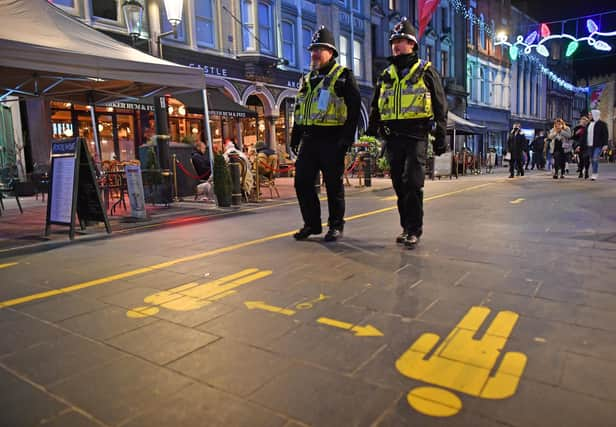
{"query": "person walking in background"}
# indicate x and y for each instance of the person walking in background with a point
(516, 144)
(596, 139)
(580, 148)
(537, 147)
(560, 135)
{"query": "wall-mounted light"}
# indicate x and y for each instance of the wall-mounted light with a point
(182, 110)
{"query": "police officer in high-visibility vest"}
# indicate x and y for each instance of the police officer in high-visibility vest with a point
(326, 114)
(408, 104)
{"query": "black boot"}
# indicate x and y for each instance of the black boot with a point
(306, 231)
(411, 241)
(402, 237)
(332, 235)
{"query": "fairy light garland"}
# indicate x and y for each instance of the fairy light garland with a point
(514, 51)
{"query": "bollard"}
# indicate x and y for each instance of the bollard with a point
(317, 183)
(175, 180)
(368, 170)
(236, 190)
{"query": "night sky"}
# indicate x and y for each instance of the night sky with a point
(587, 61)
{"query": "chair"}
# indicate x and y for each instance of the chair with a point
(236, 158)
(267, 169)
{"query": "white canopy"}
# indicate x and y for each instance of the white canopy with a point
(45, 51)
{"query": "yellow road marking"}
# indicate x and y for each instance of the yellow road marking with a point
(463, 363)
(260, 305)
(309, 304)
(192, 296)
(8, 264)
(360, 331)
(127, 274)
(517, 201)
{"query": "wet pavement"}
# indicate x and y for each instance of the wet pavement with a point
(504, 315)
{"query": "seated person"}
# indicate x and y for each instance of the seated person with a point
(262, 148)
(201, 160)
(231, 151)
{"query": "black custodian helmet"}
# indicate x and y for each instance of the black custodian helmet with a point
(403, 30)
(323, 38)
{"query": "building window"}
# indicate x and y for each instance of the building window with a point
(444, 63)
(356, 5)
(204, 18)
(357, 65)
(445, 19)
(470, 81)
(248, 25)
(471, 28)
(344, 51)
(166, 26)
(107, 9)
(428, 52)
(306, 39)
(265, 28)
(482, 33)
(288, 42)
(482, 85)
(393, 4)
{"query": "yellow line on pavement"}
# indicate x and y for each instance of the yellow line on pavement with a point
(127, 274)
(8, 264)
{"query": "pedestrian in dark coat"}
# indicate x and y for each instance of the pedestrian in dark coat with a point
(516, 144)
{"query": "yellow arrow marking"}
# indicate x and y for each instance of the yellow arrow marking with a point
(10, 264)
(260, 305)
(360, 331)
(309, 304)
(192, 296)
(517, 201)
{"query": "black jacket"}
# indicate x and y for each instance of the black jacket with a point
(413, 127)
(201, 163)
(600, 134)
(516, 143)
(346, 87)
(537, 144)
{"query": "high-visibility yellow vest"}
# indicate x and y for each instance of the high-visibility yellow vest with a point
(307, 110)
(408, 98)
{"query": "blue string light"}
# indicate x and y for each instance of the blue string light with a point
(514, 51)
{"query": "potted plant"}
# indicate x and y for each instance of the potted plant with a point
(222, 181)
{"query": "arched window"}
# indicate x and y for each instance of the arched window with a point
(482, 33)
(470, 81)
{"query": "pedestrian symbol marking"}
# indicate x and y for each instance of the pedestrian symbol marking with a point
(193, 296)
(360, 331)
(463, 364)
(517, 201)
(7, 265)
(309, 304)
(260, 305)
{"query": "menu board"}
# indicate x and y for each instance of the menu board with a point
(61, 198)
(73, 189)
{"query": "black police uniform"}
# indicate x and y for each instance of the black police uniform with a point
(406, 139)
(323, 148)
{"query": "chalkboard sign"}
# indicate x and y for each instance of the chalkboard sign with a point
(73, 188)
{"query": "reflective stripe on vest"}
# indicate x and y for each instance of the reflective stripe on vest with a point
(408, 98)
(307, 111)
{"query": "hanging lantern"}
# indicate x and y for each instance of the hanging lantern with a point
(542, 50)
(530, 39)
(571, 48)
(591, 26)
(513, 53)
(545, 31)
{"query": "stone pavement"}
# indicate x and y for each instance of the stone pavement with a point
(503, 316)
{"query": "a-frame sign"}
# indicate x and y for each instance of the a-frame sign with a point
(73, 188)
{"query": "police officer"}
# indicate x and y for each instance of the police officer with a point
(326, 114)
(409, 102)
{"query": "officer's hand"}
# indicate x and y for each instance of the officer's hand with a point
(344, 145)
(440, 147)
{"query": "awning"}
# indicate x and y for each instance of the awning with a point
(46, 52)
(462, 126)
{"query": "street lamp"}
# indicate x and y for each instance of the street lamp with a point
(133, 15)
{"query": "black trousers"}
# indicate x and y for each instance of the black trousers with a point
(516, 162)
(407, 158)
(320, 155)
(560, 159)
